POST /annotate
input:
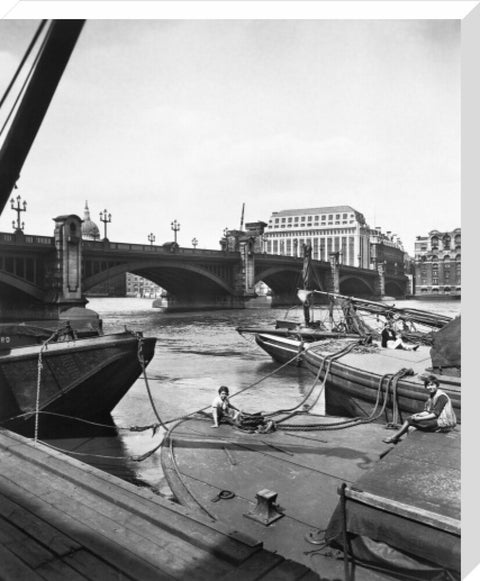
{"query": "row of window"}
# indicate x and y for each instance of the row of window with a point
(333, 232)
(323, 218)
(434, 259)
(338, 223)
(321, 247)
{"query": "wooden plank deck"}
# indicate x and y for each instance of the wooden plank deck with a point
(61, 519)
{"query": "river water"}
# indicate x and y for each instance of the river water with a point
(195, 353)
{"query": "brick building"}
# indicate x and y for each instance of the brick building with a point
(438, 267)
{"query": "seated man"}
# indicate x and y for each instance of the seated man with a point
(222, 408)
(391, 341)
(438, 414)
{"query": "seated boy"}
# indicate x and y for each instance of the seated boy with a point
(222, 408)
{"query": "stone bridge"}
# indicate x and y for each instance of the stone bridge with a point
(41, 276)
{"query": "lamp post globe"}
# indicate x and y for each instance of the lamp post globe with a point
(106, 218)
(175, 227)
(18, 208)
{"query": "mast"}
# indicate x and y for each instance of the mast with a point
(241, 218)
(60, 41)
(306, 270)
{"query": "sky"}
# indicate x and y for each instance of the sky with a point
(162, 120)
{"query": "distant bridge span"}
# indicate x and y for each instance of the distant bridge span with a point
(47, 273)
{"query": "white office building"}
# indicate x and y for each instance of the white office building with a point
(328, 230)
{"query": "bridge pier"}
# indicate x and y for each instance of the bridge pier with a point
(334, 273)
(63, 279)
(380, 280)
(175, 304)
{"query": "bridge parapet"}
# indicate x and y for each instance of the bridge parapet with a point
(102, 246)
(14, 239)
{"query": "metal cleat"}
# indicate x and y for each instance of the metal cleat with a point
(266, 511)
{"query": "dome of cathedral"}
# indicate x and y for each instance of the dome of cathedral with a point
(90, 230)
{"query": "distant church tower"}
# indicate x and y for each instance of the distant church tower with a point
(90, 230)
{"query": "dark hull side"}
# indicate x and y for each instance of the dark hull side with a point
(85, 379)
(353, 391)
(279, 349)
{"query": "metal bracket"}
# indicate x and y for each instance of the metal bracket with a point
(266, 511)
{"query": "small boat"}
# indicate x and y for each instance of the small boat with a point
(55, 375)
(360, 377)
(344, 318)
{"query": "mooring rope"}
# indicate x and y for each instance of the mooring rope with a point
(326, 360)
(43, 348)
(351, 422)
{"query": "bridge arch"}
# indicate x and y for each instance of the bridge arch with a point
(394, 289)
(353, 285)
(22, 285)
(164, 274)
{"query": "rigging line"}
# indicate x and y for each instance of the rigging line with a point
(296, 356)
(22, 62)
(39, 382)
(169, 439)
(141, 360)
(253, 447)
(69, 452)
(27, 79)
(350, 422)
(327, 359)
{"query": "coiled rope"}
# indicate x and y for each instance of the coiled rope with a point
(351, 422)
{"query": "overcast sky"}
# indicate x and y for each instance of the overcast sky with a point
(161, 120)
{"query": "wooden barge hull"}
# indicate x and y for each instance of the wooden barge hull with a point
(85, 378)
(353, 381)
(305, 469)
(282, 349)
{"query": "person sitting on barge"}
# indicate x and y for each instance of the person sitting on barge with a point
(391, 341)
(438, 414)
(223, 408)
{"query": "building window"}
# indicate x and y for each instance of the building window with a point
(446, 242)
(289, 247)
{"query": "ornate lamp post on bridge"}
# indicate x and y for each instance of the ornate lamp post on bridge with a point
(151, 238)
(105, 218)
(194, 243)
(175, 227)
(18, 227)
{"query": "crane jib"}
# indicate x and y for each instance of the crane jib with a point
(55, 53)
